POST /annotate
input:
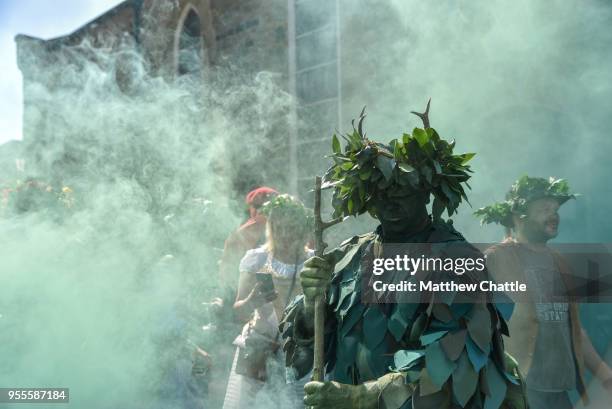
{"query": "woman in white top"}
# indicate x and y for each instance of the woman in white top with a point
(268, 281)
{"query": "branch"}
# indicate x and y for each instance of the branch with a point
(424, 116)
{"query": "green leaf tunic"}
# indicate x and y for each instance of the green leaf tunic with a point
(452, 352)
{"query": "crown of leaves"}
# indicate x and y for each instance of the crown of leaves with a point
(421, 161)
(288, 207)
(525, 190)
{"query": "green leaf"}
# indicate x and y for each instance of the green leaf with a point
(431, 337)
(398, 324)
(386, 165)
(348, 141)
(453, 344)
(465, 380)
(352, 317)
(345, 358)
(426, 385)
(384, 183)
(404, 167)
(403, 179)
(418, 327)
(412, 375)
(452, 196)
(328, 185)
(438, 400)
(364, 174)
(437, 166)
(504, 305)
(437, 208)
(336, 144)
(397, 151)
(376, 175)
(466, 157)
(361, 193)
(438, 365)
(404, 359)
(406, 138)
(477, 357)
(374, 326)
(442, 313)
(356, 200)
(479, 326)
(347, 165)
(497, 387)
(421, 136)
(459, 309)
(413, 179)
(426, 171)
(340, 159)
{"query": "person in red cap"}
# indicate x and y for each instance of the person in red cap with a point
(248, 236)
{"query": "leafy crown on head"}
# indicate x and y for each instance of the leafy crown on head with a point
(420, 161)
(289, 208)
(524, 191)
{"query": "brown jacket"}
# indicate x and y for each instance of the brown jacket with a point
(505, 264)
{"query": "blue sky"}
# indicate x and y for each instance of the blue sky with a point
(39, 18)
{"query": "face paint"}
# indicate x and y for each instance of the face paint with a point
(401, 209)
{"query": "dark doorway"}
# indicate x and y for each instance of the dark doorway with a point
(190, 46)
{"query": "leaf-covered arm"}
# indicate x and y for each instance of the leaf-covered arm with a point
(298, 341)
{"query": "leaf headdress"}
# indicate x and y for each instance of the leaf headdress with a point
(290, 209)
(524, 191)
(421, 161)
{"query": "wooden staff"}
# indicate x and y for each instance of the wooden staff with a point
(319, 316)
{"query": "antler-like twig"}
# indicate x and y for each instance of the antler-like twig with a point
(424, 116)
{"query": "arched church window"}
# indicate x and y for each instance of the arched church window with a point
(190, 45)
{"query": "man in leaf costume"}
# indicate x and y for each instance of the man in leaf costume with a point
(424, 352)
(548, 341)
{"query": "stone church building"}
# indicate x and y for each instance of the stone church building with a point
(334, 57)
(296, 39)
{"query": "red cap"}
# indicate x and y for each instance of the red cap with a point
(257, 197)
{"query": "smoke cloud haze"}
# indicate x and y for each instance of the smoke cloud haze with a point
(40, 19)
(105, 293)
(105, 266)
(524, 86)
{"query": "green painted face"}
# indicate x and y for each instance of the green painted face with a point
(396, 205)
